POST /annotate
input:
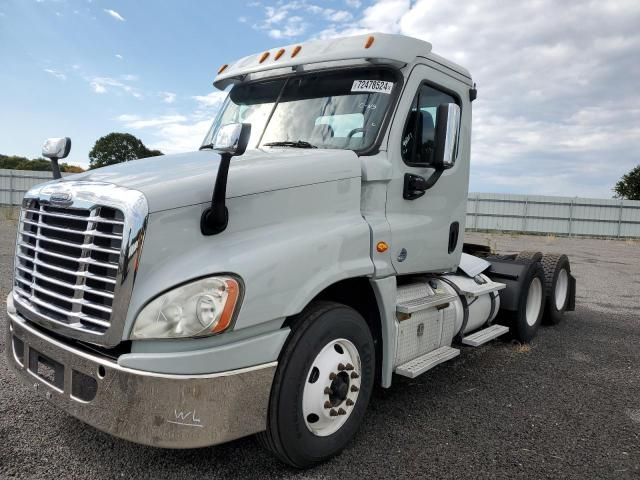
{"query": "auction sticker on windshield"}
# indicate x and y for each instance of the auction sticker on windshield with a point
(372, 86)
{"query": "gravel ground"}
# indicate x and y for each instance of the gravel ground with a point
(567, 406)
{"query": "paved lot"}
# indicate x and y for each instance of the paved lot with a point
(567, 407)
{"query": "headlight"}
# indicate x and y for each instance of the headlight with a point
(204, 307)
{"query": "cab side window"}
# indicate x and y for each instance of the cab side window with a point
(418, 138)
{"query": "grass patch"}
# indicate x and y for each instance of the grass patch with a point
(521, 347)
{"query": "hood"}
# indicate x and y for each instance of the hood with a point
(171, 181)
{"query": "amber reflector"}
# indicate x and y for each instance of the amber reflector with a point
(222, 68)
(264, 56)
(279, 54)
(369, 42)
(382, 247)
(296, 51)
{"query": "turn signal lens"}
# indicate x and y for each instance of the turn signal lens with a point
(382, 247)
(233, 291)
(369, 41)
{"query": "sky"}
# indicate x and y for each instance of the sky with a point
(558, 108)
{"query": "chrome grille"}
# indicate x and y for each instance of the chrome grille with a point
(67, 263)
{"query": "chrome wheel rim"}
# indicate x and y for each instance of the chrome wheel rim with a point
(331, 387)
(534, 301)
(562, 289)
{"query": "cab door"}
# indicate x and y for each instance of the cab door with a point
(427, 226)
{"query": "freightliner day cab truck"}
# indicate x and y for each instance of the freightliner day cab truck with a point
(311, 249)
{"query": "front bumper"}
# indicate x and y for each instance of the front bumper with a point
(172, 411)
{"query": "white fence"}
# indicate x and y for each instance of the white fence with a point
(594, 217)
(15, 183)
(485, 211)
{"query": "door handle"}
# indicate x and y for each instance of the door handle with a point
(415, 186)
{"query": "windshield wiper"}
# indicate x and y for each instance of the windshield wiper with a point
(206, 145)
(296, 144)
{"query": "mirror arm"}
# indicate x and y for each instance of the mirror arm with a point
(215, 218)
(55, 168)
(431, 181)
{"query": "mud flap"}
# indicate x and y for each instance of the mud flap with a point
(571, 303)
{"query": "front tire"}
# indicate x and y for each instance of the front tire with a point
(322, 385)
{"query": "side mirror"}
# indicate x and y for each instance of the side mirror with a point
(233, 138)
(55, 149)
(447, 125)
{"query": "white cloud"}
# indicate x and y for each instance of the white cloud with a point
(338, 16)
(58, 75)
(136, 122)
(558, 110)
(114, 14)
(292, 19)
(178, 133)
(98, 87)
(118, 56)
(212, 100)
(293, 27)
(104, 84)
(168, 97)
(181, 137)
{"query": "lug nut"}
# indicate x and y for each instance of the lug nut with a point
(354, 375)
(327, 404)
(341, 367)
(349, 402)
(333, 413)
(328, 391)
(354, 388)
(332, 376)
(342, 411)
(349, 367)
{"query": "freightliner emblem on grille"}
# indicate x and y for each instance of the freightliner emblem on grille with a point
(61, 198)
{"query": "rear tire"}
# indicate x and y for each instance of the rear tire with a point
(525, 321)
(322, 385)
(529, 255)
(557, 272)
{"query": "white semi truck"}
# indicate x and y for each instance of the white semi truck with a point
(311, 249)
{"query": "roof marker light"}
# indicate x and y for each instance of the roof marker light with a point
(279, 54)
(296, 51)
(223, 68)
(264, 56)
(369, 41)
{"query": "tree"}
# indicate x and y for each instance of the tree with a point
(118, 147)
(14, 162)
(629, 185)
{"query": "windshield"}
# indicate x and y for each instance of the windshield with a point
(342, 109)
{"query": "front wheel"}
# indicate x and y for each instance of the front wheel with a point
(322, 385)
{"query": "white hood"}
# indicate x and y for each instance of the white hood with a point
(172, 181)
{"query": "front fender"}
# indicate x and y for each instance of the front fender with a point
(286, 245)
